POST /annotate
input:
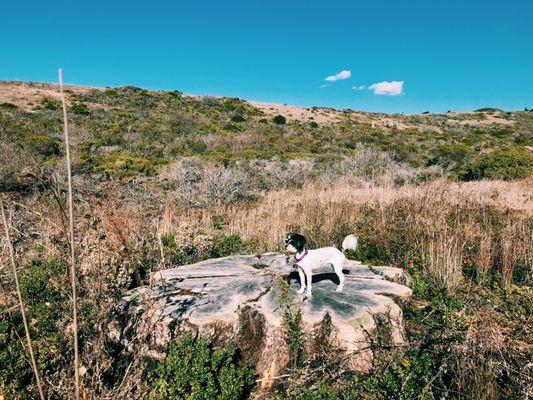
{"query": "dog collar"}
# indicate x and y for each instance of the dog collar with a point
(302, 257)
(295, 265)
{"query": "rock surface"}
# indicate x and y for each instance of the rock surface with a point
(393, 274)
(236, 298)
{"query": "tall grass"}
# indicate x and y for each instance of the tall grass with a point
(71, 237)
(440, 228)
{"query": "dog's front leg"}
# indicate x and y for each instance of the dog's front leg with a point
(302, 281)
(309, 276)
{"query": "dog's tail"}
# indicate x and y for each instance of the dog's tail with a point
(350, 243)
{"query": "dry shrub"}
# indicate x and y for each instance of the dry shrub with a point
(198, 185)
(492, 362)
(274, 173)
(120, 225)
(21, 171)
(376, 166)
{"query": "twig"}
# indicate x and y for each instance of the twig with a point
(71, 229)
(160, 243)
(19, 294)
(273, 378)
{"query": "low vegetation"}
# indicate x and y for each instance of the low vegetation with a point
(192, 370)
(162, 179)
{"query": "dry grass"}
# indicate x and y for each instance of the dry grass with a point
(444, 223)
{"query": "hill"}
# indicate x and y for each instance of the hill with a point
(127, 131)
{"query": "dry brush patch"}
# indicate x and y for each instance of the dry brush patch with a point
(437, 227)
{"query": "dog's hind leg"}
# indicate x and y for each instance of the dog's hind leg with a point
(337, 266)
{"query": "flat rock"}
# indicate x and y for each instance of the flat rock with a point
(237, 298)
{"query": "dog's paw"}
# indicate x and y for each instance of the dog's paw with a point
(300, 291)
(339, 289)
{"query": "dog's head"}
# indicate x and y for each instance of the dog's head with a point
(294, 243)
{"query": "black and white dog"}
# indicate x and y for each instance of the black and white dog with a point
(308, 260)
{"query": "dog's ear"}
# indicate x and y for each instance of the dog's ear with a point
(298, 241)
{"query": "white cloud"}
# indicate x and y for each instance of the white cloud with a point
(393, 88)
(359, 87)
(340, 76)
(323, 86)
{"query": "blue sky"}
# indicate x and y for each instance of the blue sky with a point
(450, 55)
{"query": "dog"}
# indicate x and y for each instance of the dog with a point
(309, 260)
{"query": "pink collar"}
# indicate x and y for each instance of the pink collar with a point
(302, 257)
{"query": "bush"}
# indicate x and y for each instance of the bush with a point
(45, 304)
(228, 245)
(292, 323)
(508, 164)
(8, 106)
(121, 164)
(193, 370)
(206, 186)
(51, 104)
(411, 376)
(321, 393)
(238, 118)
(280, 120)
(451, 157)
(43, 145)
(79, 109)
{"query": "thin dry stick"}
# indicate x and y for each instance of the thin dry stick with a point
(71, 231)
(19, 294)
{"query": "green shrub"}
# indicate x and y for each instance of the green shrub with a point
(292, 323)
(111, 138)
(370, 252)
(193, 370)
(238, 118)
(45, 305)
(43, 145)
(406, 377)
(168, 240)
(228, 245)
(8, 106)
(450, 156)
(195, 146)
(507, 164)
(280, 120)
(120, 164)
(232, 128)
(79, 109)
(218, 222)
(51, 104)
(323, 392)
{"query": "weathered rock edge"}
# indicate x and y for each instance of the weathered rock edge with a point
(234, 298)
